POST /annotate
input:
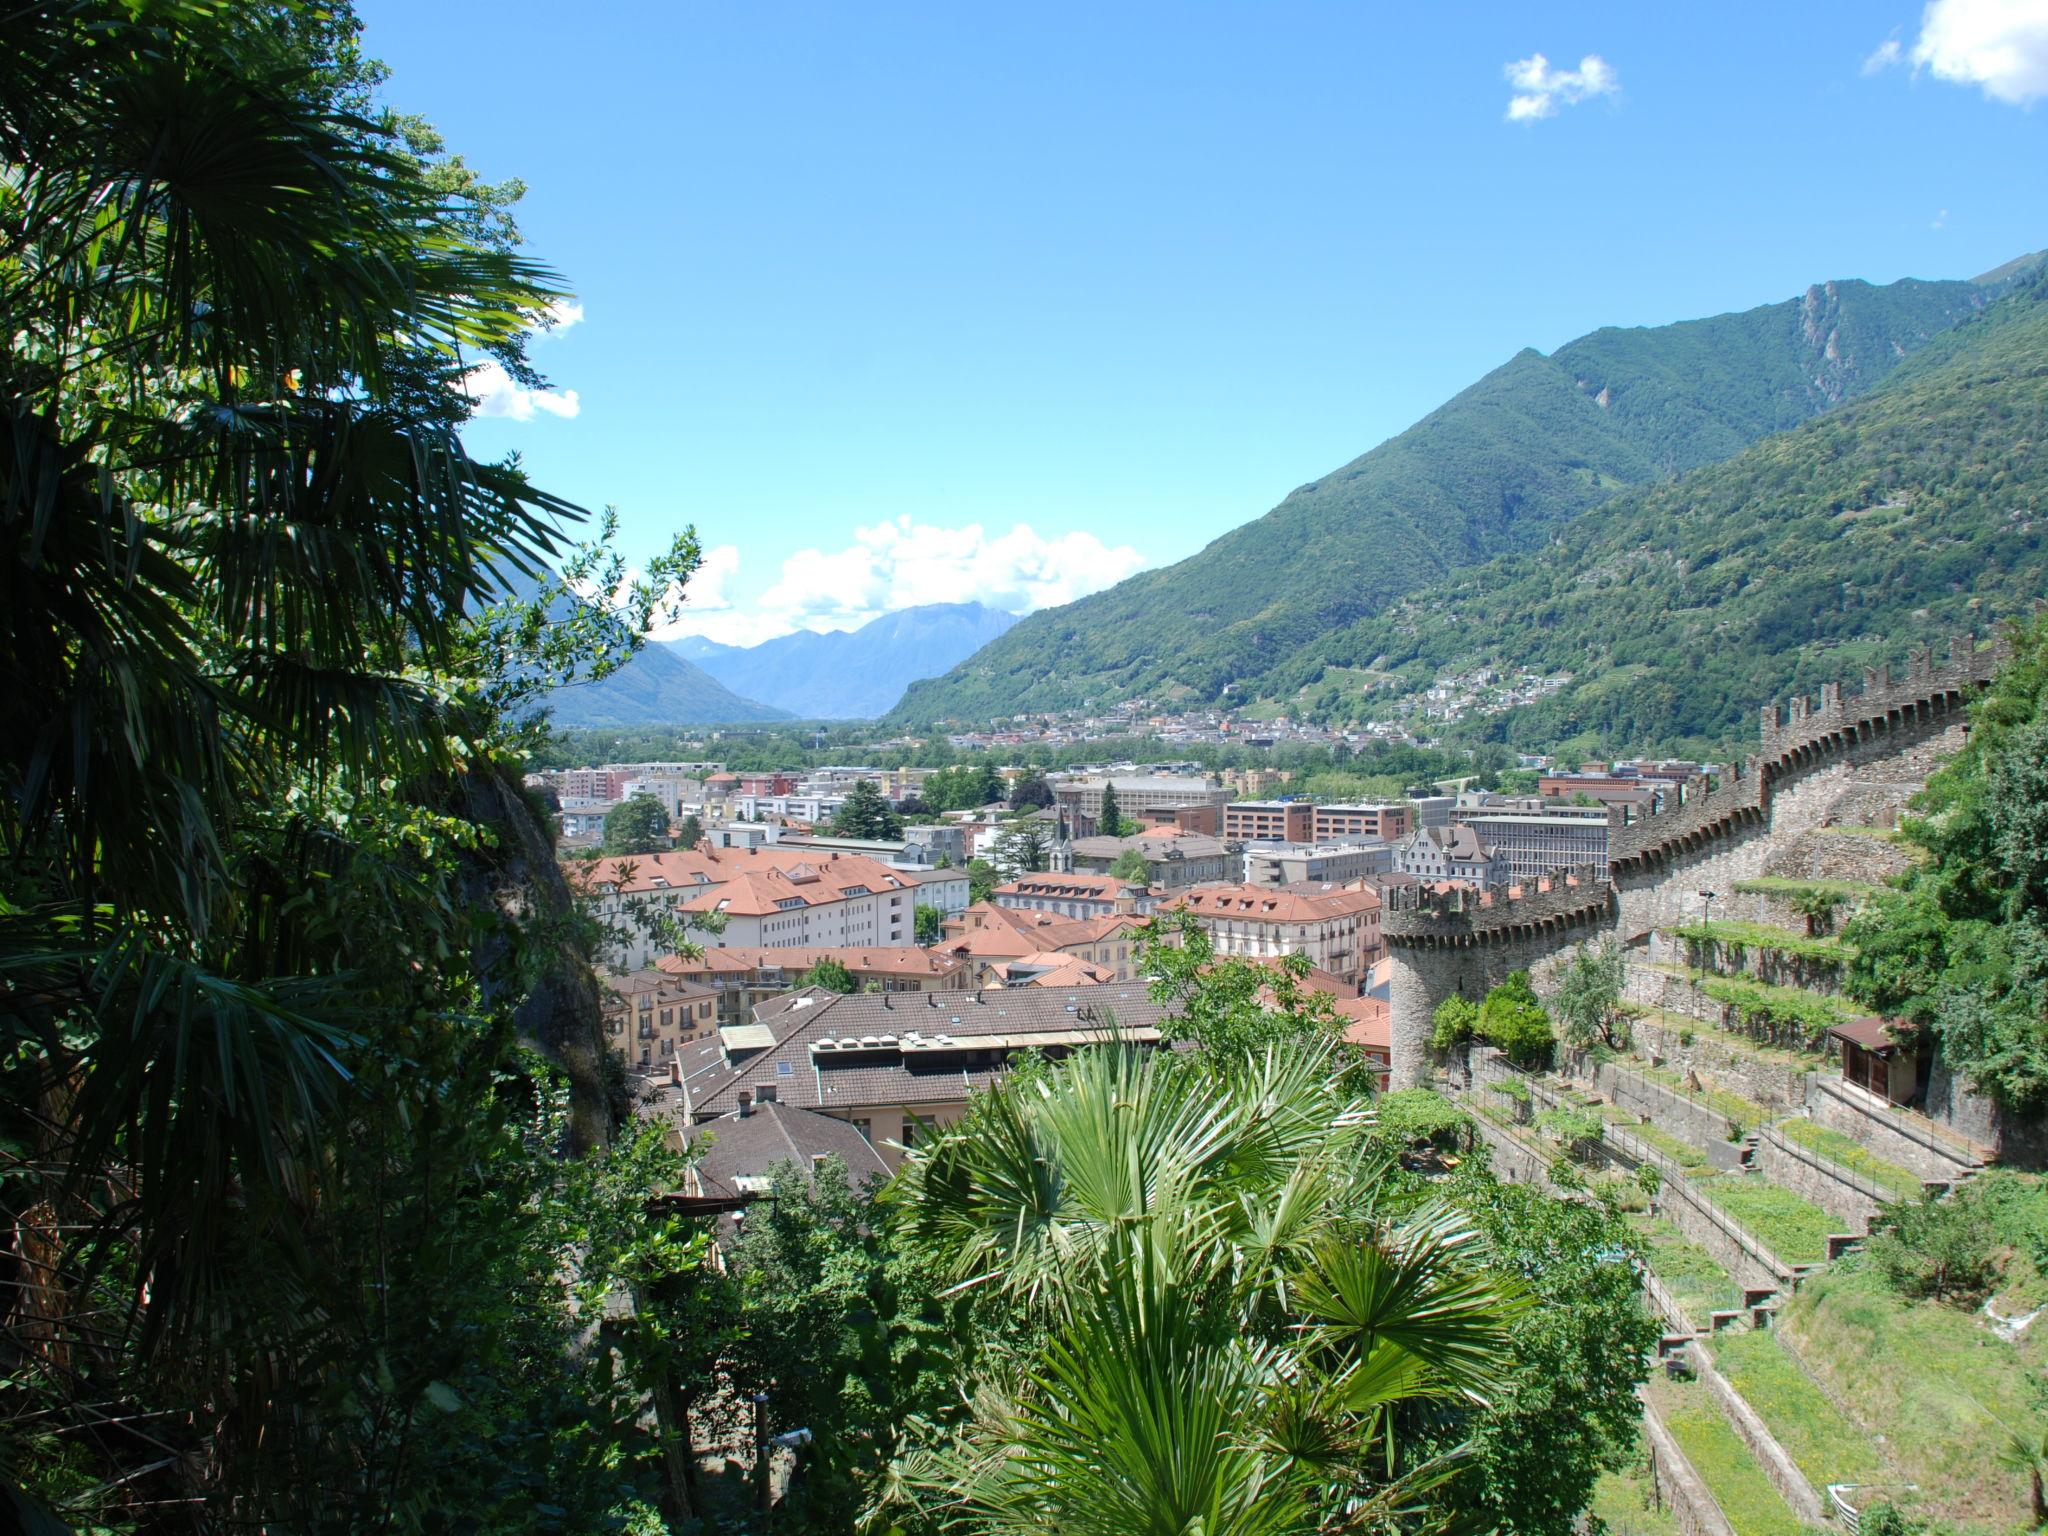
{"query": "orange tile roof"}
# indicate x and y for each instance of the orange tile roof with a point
(1368, 1023)
(1266, 904)
(897, 960)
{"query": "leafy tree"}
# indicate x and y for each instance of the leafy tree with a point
(1109, 822)
(1418, 1119)
(1587, 1001)
(1513, 1019)
(1130, 865)
(1031, 792)
(1233, 1007)
(1023, 847)
(635, 825)
(866, 814)
(831, 974)
(1453, 1023)
(929, 922)
(690, 832)
(982, 879)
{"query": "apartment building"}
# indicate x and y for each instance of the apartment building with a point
(988, 937)
(1432, 810)
(1074, 895)
(648, 1015)
(742, 979)
(1136, 794)
(766, 898)
(1362, 823)
(1535, 836)
(1314, 863)
(1338, 930)
(1172, 862)
(1268, 821)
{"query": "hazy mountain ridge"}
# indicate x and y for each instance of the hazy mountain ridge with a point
(656, 687)
(850, 674)
(1499, 469)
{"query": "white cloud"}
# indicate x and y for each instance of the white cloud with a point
(1540, 90)
(1940, 219)
(1999, 46)
(496, 393)
(901, 563)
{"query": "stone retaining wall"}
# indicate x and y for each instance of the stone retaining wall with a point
(1688, 1120)
(1851, 1200)
(1678, 1485)
(1512, 1162)
(1779, 1467)
(1773, 1084)
(1887, 1135)
(1747, 1261)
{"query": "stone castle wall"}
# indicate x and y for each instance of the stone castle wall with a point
(1877, 742)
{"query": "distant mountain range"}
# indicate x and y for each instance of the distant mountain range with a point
(657, 687)
(1270, 610)
(850, 674)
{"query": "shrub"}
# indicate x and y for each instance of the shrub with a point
(1452, 1023)
(1512, 1019)
(1944, 1249)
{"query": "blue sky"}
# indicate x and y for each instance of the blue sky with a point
(866, 287)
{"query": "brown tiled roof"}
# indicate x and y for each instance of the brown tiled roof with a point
(1263, 903)
(738, 875)
(944, 1044)
(1368, 1022)
(743, 1149)
(1068, 886)
(1876, 1034)
(891, 960)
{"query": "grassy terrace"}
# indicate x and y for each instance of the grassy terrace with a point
(1841, 1149)
(1740, 1044)
(1700, 1286)
(1935, 1381)
(1778, 885)
(1795, 1230)
(1825, 1443)
(1683, 1153)
(1626, 1504)
(1746, 936)
(1723, 1462)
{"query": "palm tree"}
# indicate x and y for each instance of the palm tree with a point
(2027, 1451)
(1229, 1323)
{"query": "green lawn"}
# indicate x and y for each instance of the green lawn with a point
(1683, 1153)
(1626, 1504)
(1764, 936)
(1933, 1380)
(1796, 1230)
(1827, 1445)
(1700, 1286)
(1730, 1040)
(1752, 1505)
(1838, 1148)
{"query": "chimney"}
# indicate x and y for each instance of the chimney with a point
(675, 1072)
(746, 1104)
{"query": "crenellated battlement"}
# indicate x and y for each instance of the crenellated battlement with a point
(1795, 736)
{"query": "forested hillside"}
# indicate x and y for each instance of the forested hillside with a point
(1499, 469)
(1678, 609)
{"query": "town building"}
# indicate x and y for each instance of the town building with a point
(737, 1154)
(1432, 810)
(1435, 855)
(649, 1014)
(1073, 894)
(1362, 823)
(1081, 799)
(987, 936)
(1535, 836)
(901, 1068)
(765, 897)
(1268, 821)
(1337, 929)
(1204, 820)
(1337, 863)
(1172, 861)
(742, 979)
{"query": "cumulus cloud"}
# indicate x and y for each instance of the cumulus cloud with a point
(1540, 90)
(1999, 46)
(901, 563)
(494, 392)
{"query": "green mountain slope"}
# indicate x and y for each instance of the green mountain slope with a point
(1677, 609)
(1500, 468)
(656, 687)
